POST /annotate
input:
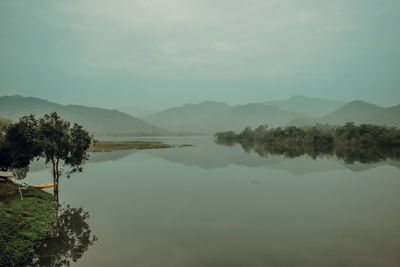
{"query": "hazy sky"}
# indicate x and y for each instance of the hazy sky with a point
(161, 53)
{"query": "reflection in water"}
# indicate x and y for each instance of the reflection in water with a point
(71, 238)
(213, 205)
(350, 154)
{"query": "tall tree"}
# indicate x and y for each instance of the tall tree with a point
(63, 146)
(19, 144)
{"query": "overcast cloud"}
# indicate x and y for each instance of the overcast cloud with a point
(162, 53)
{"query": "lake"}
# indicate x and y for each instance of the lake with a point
(215, 205)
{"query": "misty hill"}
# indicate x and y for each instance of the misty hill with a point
(210, 117)
(95, 120)
(303, 121)
(308, 106)
(357, 112)
(390, 116)
(189, 117)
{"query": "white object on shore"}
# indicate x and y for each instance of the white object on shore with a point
(6, 174)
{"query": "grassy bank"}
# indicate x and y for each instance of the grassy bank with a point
(105, 146)
(23, 222)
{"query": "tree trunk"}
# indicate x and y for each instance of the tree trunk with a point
(56, 189)
(55, 179)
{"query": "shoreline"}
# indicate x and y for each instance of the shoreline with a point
(23, 223)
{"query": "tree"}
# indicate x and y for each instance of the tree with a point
(62, 144)
(4, 124)
(5, 155)
(260, 132)
(247, 133)
(19, 144)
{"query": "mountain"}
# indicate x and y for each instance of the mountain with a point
(303, 121)
(390, 117)
(189, 117)
(210, 117)
(137, 111)
(98, 121)
(313, 107)
(355, 111)
(253, 115)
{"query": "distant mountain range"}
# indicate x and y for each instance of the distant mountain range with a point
(96, 120)
(307, 106)
(209, 117)
(357, 112)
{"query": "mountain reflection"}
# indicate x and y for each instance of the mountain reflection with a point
(349, 154)
(71, 238)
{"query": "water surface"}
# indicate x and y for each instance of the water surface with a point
(213, 205)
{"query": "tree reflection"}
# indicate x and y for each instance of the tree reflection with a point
(71, 238)
(348, 153)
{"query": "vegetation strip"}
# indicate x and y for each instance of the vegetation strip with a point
(23, 223)
(107, 146)
(349, 134)
(364, 143)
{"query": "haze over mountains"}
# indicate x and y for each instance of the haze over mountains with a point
(207, 117)
(357, 112)
(308, 106)
(96, 120)
(298, 110)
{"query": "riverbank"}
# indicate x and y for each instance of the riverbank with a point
(23, 222)
(107, 146)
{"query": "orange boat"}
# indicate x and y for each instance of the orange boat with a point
(42, 186)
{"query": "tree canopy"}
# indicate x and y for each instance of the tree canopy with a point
(61, 143)
(50, 137)
(363, 134)
(365, 143)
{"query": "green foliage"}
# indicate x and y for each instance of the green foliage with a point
(36, 232)
(49, 137)
(365, 143)
(247, 134)
(60, 142)
(4, 124)
(231, 135)
(20, 144)
(5, 155)
(23, 222)
(364, 134)
(107, 146)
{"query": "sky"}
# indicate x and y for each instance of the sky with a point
(161, 53)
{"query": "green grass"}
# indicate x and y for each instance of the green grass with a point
(23, 222)
(106, 146)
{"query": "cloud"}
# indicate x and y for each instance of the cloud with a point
(222, 46)
(225, 44)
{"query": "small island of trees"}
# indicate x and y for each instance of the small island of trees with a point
(365, 142)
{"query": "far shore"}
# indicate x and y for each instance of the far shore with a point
(107, 146)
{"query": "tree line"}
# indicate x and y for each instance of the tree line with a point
(62, 145)
(348, 153)
(321, 135)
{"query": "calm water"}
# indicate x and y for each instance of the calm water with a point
(213, 205)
